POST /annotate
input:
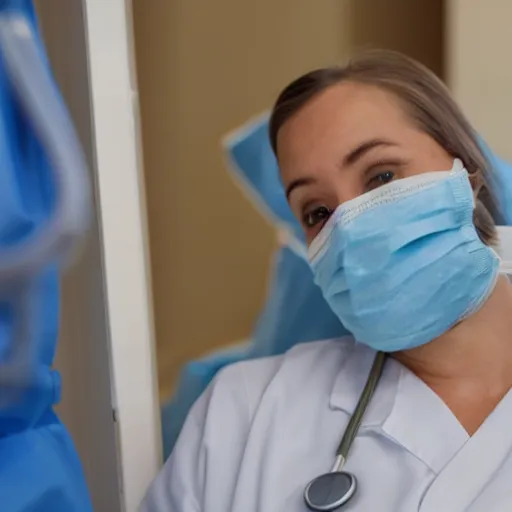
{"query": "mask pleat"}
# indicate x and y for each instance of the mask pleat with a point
(398, 273)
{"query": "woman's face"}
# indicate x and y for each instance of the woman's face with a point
(350, 139)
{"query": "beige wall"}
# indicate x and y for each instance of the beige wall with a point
(415, 27)
(479, 71)
(204, 68)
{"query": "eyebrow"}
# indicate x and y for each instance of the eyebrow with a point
(361, 150)
(350, 159)
(300, 182)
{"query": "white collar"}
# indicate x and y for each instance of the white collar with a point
(403, 408)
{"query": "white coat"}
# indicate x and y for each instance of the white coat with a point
(265, 428)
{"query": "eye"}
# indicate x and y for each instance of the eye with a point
(381, 179)
(316, 216)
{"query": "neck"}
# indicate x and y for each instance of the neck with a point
(476, 354)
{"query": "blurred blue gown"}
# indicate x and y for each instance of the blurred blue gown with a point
(295, 310)
(39, 467)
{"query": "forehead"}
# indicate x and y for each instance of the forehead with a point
(340, 118)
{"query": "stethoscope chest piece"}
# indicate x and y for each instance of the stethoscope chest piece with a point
(330, 491)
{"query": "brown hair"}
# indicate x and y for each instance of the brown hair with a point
(425, 99)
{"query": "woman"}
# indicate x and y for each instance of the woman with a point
(395, 198)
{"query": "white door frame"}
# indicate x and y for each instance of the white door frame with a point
(122, 220)
(105, 353)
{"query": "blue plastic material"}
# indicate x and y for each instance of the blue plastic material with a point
(39, 468)
(255, 167)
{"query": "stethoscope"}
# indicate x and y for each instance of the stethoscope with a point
(330, 491)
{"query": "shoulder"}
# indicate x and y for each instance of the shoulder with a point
(244, 384)
(223, 417)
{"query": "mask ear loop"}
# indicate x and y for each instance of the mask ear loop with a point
(475, 179)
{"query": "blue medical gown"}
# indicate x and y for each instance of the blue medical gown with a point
(39, 467)
(295, 310)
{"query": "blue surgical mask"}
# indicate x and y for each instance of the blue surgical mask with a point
(402, 264)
